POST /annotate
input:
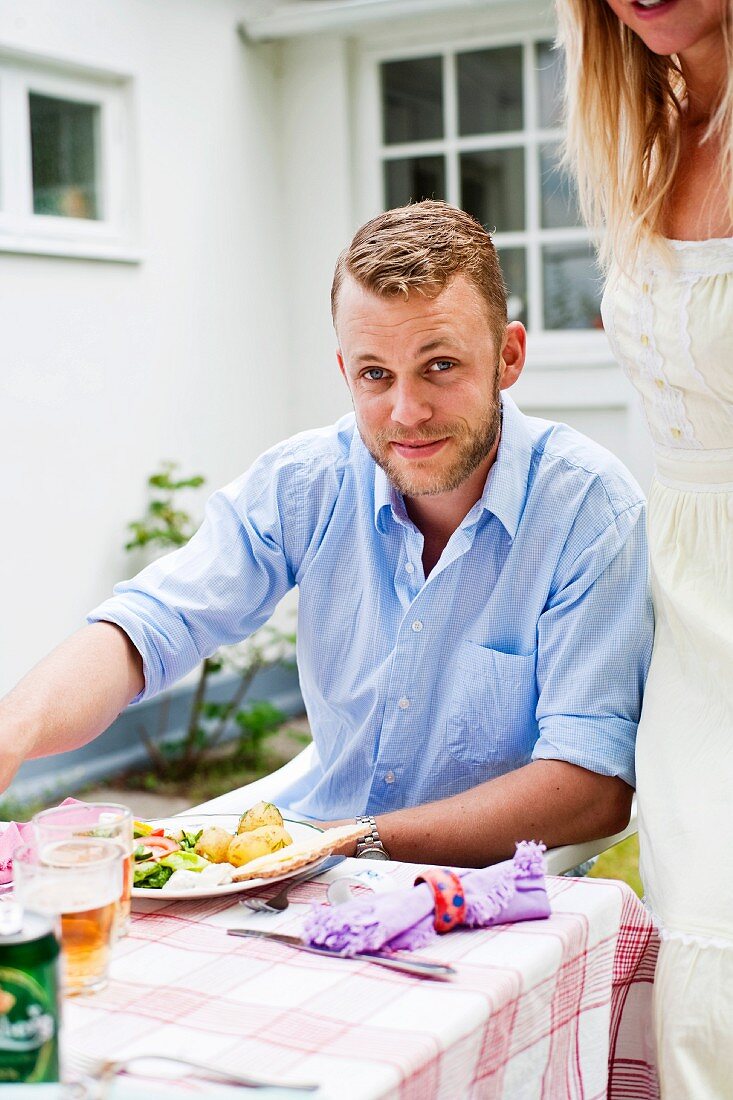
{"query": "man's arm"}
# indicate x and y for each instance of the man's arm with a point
(69, 697)
(547, 800)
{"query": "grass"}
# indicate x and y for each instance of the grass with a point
(621, 862)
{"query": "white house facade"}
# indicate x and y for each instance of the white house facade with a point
(176, 180)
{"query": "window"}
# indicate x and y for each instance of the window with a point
(480, 128)
(65, 162)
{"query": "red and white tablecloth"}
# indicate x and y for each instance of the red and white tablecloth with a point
(555, 1009)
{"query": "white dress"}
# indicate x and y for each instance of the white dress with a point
(671, 328)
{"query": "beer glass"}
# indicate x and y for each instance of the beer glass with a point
(109, 820)
(78, 880)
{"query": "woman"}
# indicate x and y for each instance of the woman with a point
(650, 136)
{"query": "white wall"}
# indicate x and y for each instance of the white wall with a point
(106, 368)
(319, 219)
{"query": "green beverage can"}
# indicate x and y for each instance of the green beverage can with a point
(29, 998)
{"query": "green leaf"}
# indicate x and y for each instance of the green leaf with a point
(214, 710)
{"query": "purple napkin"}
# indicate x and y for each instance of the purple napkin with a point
(15, 834)
(402, 920)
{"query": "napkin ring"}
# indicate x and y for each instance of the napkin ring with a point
(448, 897)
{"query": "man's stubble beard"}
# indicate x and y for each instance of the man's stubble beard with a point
(473, 447)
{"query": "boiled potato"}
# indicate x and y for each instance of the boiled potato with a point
(213, 844)
(262, 813)
(257, 842)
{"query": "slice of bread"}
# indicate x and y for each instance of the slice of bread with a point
(295, 856)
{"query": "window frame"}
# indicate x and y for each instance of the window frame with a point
(550, 348)
(114, 236)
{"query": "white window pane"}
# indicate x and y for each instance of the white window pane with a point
(490, 91)
(559, 198)
(572, 287)
(492, 188)
(550, 78)
(514, 266)
(64, 157)
(411, 179)
(412, 99)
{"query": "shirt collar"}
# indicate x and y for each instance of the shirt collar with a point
(505, 490)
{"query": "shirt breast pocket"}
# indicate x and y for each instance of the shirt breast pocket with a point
(491, 717)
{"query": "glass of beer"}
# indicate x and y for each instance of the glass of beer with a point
(79, 881)
(108, 820)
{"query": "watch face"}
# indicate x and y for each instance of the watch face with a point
(373, 853)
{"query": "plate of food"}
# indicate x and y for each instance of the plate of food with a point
(207, 855)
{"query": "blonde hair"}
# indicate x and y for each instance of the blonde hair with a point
(421, 247)
(623, 107)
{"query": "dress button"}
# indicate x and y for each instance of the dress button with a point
(403, 703)
(409, 568)
(417, 626)
(644, 340)
(659, 382)
(389, 777)
(645, 288)
(676, 432)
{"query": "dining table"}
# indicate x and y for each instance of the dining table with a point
(558, 1008)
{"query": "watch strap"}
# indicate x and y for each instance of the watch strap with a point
(371, 841)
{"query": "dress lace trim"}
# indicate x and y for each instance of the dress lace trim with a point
(689, 939)
(669, 401)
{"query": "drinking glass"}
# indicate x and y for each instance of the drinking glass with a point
(109, 820)
(79, 881)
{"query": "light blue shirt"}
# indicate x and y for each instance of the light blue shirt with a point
(530, 639)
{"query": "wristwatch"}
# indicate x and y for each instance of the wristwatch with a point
(370, 846)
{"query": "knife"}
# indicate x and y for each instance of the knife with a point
(420, 968)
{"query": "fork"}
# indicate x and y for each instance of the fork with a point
(103, 1069)
(280, 901)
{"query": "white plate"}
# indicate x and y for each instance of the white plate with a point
(300, 831)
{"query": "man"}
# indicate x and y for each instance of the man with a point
(474, 621)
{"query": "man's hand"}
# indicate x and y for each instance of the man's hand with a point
(70, 697)
(548, 800)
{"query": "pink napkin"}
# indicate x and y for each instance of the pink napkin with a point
(17, 833)
(404, 919)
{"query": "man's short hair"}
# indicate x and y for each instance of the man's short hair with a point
(421, 247)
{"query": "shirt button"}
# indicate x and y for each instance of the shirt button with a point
(676, 432)
(403, 703)
(644, 340)
(645, 288)
(409, 568)
(417, 626)
(659, 382)
(389, 777)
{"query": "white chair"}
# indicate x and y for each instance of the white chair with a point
(560, 860)
(269, 787)
(266, 789)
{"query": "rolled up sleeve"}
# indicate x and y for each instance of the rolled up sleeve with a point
(595, 640)
(214, 591)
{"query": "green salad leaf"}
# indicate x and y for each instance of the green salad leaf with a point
(184, 861)
(151, 875)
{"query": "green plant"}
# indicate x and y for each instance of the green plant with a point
(210, 722)
(164, 524)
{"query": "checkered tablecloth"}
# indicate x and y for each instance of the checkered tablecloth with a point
(554, 1009)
